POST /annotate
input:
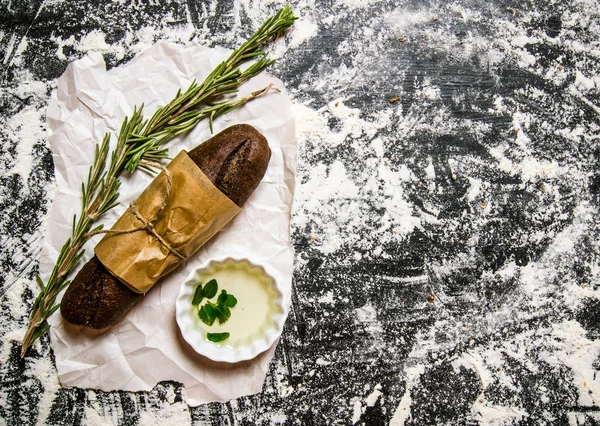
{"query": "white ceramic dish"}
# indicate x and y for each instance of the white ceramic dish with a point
(256, 321)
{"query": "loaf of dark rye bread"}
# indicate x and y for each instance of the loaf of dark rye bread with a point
(234, 160)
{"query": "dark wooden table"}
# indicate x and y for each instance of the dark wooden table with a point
(446, 217)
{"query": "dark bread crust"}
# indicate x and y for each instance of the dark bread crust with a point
(235, 160)
(96, 299)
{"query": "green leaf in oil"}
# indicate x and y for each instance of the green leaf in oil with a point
(222, 297)
(222, 313)
(198, 295)
(210, 289)
(230, 301)
(226, 299)
(217, 337)
(207, 314)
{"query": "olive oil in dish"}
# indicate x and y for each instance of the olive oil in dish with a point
(252, 315)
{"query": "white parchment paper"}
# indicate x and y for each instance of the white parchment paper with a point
(147, 347)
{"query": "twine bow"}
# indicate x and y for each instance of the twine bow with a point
(148, 224)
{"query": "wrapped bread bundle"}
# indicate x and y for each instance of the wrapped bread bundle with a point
(180, 210)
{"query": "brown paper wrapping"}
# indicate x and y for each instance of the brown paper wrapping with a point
(195, 210)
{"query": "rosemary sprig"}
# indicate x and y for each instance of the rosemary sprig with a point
(181, 114)
(141, 142)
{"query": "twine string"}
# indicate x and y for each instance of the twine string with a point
(148, 224)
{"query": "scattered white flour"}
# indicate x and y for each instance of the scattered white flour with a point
(359, 406)
(327, 298)
(147, 37)
(303, 30)
(402, 413)
(496, 415)
(538, 278)
(18, 56)
(350, 183)
(356, 410)
(60, 54)
(26, 129)
(93, 41)
(93, 418)
(9, 49)
(366, 317)
(571, 347)
(371, 400)
(278, 419)
(585, 83)
(474, 190)
(327, 185)
(176, 414)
